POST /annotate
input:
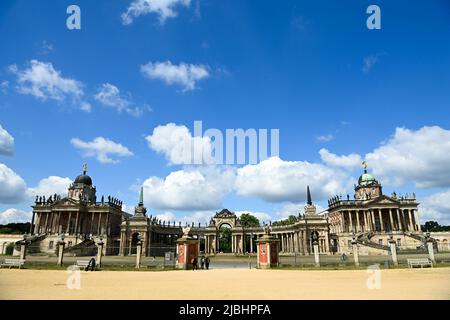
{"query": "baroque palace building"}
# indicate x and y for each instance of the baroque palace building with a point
(370, 218)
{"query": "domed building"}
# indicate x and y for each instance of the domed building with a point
(372, 217)
(80, 217)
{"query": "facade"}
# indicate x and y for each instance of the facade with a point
(79, 217)
(370, 219)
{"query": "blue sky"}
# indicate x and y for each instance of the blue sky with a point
(311, 69)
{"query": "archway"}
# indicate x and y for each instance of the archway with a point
(225, 238)
(134, 241)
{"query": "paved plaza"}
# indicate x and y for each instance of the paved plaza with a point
(228, 284)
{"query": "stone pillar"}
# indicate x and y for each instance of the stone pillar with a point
(365, 221)
(393, 247)
(372, 217)
(295, 241)
(23, 249)
(316, 254)
(431, 250)
(381, 219)
(400, 225)
(242, 243)
(358, 226)
(417, 220)
(391, 219)
(251, 243)
(355, 252)
(267, 251)
(186, 250)
(411, 220)
(350, 220)
(61, 245)
(305, 243)
(138, 254)
(99, 252)
(232, 243)
(327, 243)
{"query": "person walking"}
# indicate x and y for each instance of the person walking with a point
(194, 264)
(207, 263)
(202, 262)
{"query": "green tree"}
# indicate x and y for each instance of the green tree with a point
(248, 220)
(434, 226)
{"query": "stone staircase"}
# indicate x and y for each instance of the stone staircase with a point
(364, 239)
(85, 248)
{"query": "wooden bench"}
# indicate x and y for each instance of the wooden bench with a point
(12, 263)
(419, 262)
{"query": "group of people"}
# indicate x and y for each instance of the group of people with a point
(204, 263)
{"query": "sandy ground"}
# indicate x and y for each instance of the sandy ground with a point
(227, 284)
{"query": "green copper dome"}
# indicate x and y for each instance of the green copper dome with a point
(366, 179)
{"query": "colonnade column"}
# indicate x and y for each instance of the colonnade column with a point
(350, 219)
(358, 226)
(380, 214)
(391, 219)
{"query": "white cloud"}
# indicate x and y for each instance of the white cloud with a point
(101, 149)
(4, 86)
(13, 215)
(12, 187)
(325, 138)
(163, 8)
(369, 62)
(178, 145)
(436, 208)
(110, 96)
(276, 180)
(51, 185)
(6, 142)
(189, 189)
(333, 160)
(43, 81)
(186, 75)
(46, 47)
(293, 209)
(420, 156)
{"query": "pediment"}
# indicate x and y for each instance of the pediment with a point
(384, 200)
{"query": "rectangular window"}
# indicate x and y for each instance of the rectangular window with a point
(50, 245)
(399, 242)
(69, 244)
(350, 244)
(380, 242)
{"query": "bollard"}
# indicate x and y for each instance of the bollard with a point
(316, 255)
(393, 251)
(355, 253)
(138, 254)
(61, 245)
(99, 253)
(431, 251)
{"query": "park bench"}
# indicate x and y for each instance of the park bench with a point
(12, 263)
(84, 263)
(419, 262)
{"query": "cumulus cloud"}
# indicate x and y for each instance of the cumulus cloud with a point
(276, 180)
(6, 143)
(42, 81)
(178, 145)
(13, 215)
(420, 156)
(333, 160)
(101, 149)
(163, 8)
(436, 208)
(189, 189)
(109, 95)
(51, 185)
(185, 75)
(12, 187)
